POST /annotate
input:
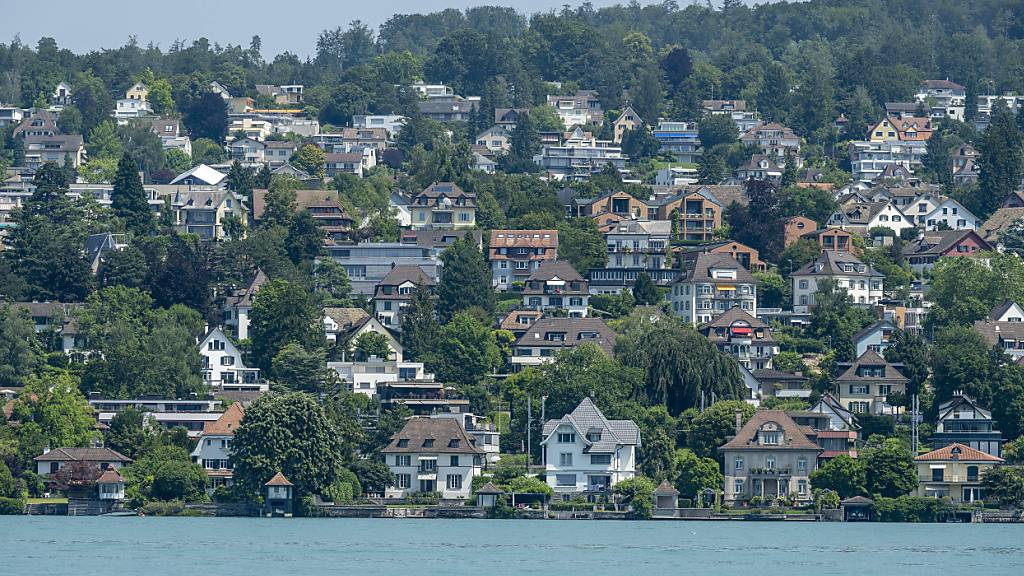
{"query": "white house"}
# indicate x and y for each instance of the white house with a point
(223, 366)
(876, 336)
(213, 450)
(51, 461)
(863, 217)
(343, 325)
(238, 305)
(395, 291)
(952, 215)
(556, 285)
(433, 455)
(585, 452)
(863, 284)
(496, 140)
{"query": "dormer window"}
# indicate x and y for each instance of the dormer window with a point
(594, 436)
(428, 443)
(453, 443)
(770, 438)
(403, 443)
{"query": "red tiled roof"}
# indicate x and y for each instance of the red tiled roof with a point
(227, 423)
(279, 479)
(967, 454)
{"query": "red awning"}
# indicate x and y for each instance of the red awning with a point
(741, 330)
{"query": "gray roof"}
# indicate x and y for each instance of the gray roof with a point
(938, 242)
(697, 266)
(82, 455)
(555, 269)
(832, 262)
(872, 358)
(577, 331)
(958, 400)
(587, 418)
(872, 327)
(446, 434)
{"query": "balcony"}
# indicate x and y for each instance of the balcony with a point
(769, 472)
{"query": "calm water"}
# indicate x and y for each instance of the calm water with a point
(251, 546)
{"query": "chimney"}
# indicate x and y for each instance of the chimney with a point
(739, 421)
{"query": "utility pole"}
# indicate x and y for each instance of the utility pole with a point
(529, 430)
(914, 407)
(544, 452)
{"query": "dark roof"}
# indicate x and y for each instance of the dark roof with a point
(768, 374)
(872, 358)
(831, 262)
(448, 437)
(999, 222)
(587, 418)
(555, 269)
(993, 332)
(942, 84)
(665, 488)
(938, 242)
(872, 327)
(83, 455)
(244, 296)
(794, 436)
(431, 194)
(697, 266)
(400, 275)
(959, 399)
(489, 488)
(577, 331)
(725, 319)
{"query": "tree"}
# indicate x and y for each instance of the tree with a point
(760, 224)
(465, 280)
(295, 368)
(815, 203)
(164, 472)
(911, 351)
(582, 244)
(696, 474)
(637, 492)
(647, 94)
(465, 350)
(207, 117)
(143, 147)
(160, 98)
(1000, 161)
(710, 429)
(711, 168)
(419, 324)
(127, 432)
(640, 143)
(280, 202)
(1004, 485)
(889, 469)
(645, 291)
(20, 352)
(844, 475)
(283, 312)
(773, 292)
(305, 238)
(834, 318)
(373, 475)
(128, 199)
(311, 160)
(331, 283)
(676, 63)
(523, 144)
(52, 408)
(966, 289)
(715, 129)
(104, 142)
(207, 151)
(240, 179)
(287, 433)
(178, 161)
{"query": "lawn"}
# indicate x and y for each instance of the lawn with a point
(47, 500)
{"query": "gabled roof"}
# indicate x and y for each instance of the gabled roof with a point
(697, 267)
(770, 374)
(666, 489)
(202, 173)
(1001, 309)
(511, 321)
(831, 262)
(110, 476)
(872, 358)
(958, 452)
(588, 419)
(959, 399)
(999, 222)
(880, 325)
(489, 488)
(576, 330)
(227, 423)
(279, 479)
(941, 85)
(406, 273)
(448, 437)
(83, 455)
(243, 297)
(726, 319)
(794, 437)
(555, 269)
(939, 242)
(347, 317)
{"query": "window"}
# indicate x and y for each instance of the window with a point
(600, 459)
(565, 459)
(937, 474)
(403, 460)
(403, 443)
(769, 463)
(594, 436)
(972, 473)
(454, 462)
(860, 407)
(801, 487)
(455, 481)
(801, 464)
(403, 480)
(216, 345)
(739, 463)
(227, 361)
(428, 466)
(428, 443)
(565, 479)
(454, 443)
(803, 284)
(884, 389)
(771, 438)
(737, 486)
(859, 389)
(566, 438)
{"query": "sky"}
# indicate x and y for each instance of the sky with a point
(294, 26)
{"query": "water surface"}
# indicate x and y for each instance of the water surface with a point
(59, 546)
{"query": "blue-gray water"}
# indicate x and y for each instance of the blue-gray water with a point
(59, 546)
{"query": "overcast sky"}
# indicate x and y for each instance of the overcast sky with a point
(283, 25)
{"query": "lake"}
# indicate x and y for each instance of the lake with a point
(60, 546)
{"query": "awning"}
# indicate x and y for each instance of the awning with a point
(725, 287)
(937, 466)
(422, 458)
(742, 330)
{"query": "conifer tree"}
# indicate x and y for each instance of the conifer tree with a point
(128, 199)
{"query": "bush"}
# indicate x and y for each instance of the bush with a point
(12, 506)
(424, 498)
(637, 493)
(911, 509)
(162, 508)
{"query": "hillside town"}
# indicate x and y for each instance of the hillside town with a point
(483, 264)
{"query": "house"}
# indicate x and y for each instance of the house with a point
(51, 461)
(578, 160)
(443, 206)
(394, 292)
(367, 263)
(999, 222)
(203, 211)
(680, 139)
(40, 123)
(249, 127)
(62, 96)
(286, 94)
(519, 321)
(548, 336)
(1003, 328)
(903, 129)
(484, 164)
(709, 285)
(834, 239)
(955, 472)
(775, 143)
(343, 326)
(627, 120)
(110, 486)
(223, 365)
(579, 109)
(952, 215)
(749, 258)
(58, 318)
(40, 150)
(876, 336)
(634, 247)
(278, 497)
(736, 109)
(835, 429)
(922, 253)
(759, 167)
(862, 217)
(743, 337)
(865, 386)
(494, 141)
(862, 283)
(962, 420)
(451, 108)
(585, 453)
(769, 457)
(795, 227)
(127, 109)
(98, 245)
(191, 413)
(336, 163)
(869, 159)
(616, 203)
(433, 455)
(238, 305)
(323, 205)
(137, 91)
(246, 150)
(201, 175)
(515, 254)
(509, 117)
(945, 99)
(696, 210)
(10, 115)
(392, 123)
(556, 285)
(375, 138)
(779, 384)
(213, 449)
